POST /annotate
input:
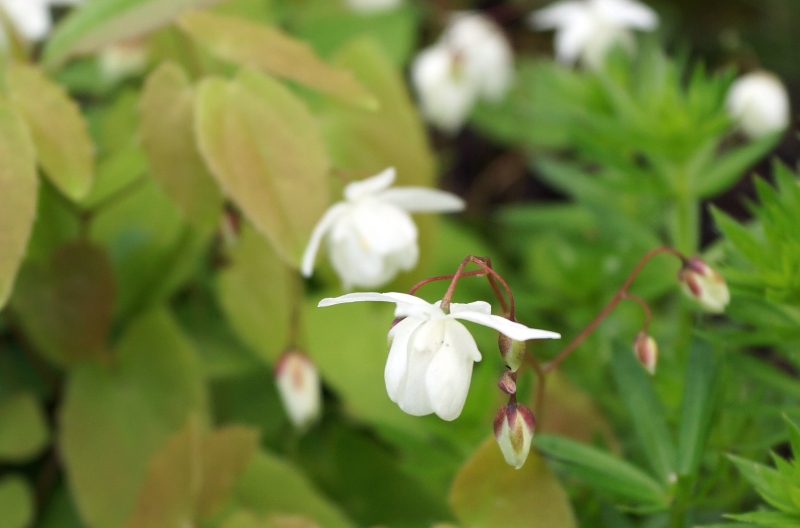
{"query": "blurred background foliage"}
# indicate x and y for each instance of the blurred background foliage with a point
(153, 219)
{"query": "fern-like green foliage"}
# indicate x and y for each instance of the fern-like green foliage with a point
(778, 486)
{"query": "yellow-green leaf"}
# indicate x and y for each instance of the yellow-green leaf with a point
(167, 132)
(115, 417)
(16, 502)
(65, 306)
(23, 428)
(487, 492)
(95, 25)
(256, 294)
(265, 150)
(59, 131)
(193, 475)
(268, 48)
(245, 519)
(19, 191)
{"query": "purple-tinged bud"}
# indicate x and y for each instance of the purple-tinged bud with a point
(646, 350)
(299, 388)
(513, 352)
(704, 285)
(514, 426)
(507, 384)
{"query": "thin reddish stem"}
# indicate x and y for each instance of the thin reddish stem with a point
(477, 273)
(648, 314)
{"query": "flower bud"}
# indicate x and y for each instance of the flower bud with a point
(513, 429)
(704, 285)
(507, 384)
(646, 350)
(513, 352)
(299, 388)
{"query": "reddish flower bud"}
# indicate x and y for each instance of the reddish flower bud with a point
(514, 426)
(299, 388)
(507, 384)
(646, 350)
(513, 352)
(707, 287)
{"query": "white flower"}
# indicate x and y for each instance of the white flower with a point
(32, 17)
(514, 426)
(588, 29)
(759, 103)
(371, 236)
(299, 388)
(431, 353)
(372, 6)
(704, 285)
(471, 60)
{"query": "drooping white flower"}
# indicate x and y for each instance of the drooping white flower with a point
(299, 388)
(759, 103)
(704, 285)
(514, 426)
(431, 353)
(31, 18)
(471, 60)
(587, 30)
(372, 6)
(371, 236)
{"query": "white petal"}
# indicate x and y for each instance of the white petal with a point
(627, 13)
(445, 92)
(393, 297)
(424, 344)
(357, 190)
(513, 330)
(422, 200)
(449, 374)
(31, 18)
(325, 223)
(560, 14)
(571, 41)
(477, 306)
(382, 227)
(397, 363)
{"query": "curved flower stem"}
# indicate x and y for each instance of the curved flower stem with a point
(412, 291)
(621, 294)
(648, 314)
(484, 263)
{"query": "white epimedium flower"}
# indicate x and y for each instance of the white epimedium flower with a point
(431, 353)
(759, 103)
(299, 388)
(471, 60)
(371, 236)
(587, 30)
(372, 6)
(31, 18)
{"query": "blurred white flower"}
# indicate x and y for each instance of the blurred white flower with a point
(587, 30)
(371, 236)
(471, 60)
(122, 60)
(514, 426)
(372, 6)
(299, 388)
(431, 353)
(31, 18)
(704, 285)
(759, 103)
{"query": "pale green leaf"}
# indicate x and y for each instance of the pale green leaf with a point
(265, 150)
(270, 49)
(23, 428)
(167, 131)
(59, 131)
(487, 492)
(16, 502)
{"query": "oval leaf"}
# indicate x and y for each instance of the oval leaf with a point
(16, 502)
(59, 131)
(270, 49)
(23, 429)
(18, 187)
(167, 132)
(488, 492)
(265, 150)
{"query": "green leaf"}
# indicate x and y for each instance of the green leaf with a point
(115, 417)
(768, 483)
(768, 518)
(193, 475)
(59, 131)
(19, 183)
(245, 519)
(167, 131)
(273, 486)
(604, 472)
(16, 502)
(60, 511)
(65, 306)
(646, 412)
(256, 292)
(740, 237)
(265, 150)
(23, 428)
(726, 170)
(794, 436)
(96, 25)
(270, 49)
(701, 385)
(489, 492)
